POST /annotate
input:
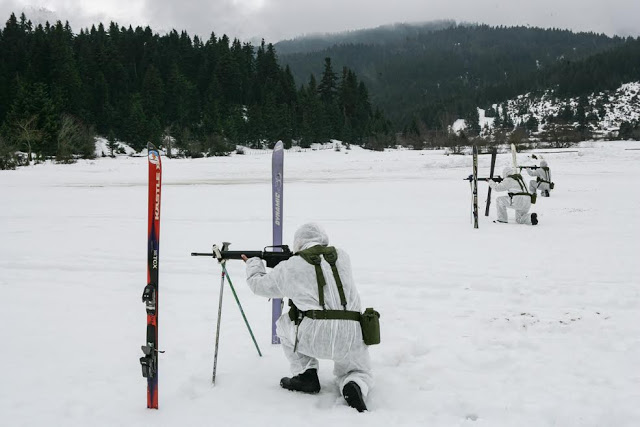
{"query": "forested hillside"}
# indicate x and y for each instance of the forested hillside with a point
(58, 88)
(436, 75)
(385, 35)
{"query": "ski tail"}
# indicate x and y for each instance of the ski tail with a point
(514, 158)
(494, 154)
(150, 296)
(277, 181)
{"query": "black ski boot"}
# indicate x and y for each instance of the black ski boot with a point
(353, 396)
(534, 219)
(306, 382)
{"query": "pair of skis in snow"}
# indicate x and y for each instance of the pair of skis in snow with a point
(474, 180)
(474, 184)
(150, 296)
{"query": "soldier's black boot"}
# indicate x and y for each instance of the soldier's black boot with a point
(306, 382)
(353, 395)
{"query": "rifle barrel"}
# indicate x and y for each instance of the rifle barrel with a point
(238, 254)
(495, 178)
(231, 254)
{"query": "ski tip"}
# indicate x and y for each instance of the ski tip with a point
(154, 157)
(279, 146)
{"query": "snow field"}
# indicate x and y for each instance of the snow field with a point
(501, 326)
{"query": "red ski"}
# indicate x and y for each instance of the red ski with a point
(149, 361)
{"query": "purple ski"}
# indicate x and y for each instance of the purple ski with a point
(277, 180)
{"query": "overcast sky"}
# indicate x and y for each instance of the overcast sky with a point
(281, 19)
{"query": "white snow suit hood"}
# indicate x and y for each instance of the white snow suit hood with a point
(308, 235)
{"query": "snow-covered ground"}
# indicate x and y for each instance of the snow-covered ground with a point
(507, 325)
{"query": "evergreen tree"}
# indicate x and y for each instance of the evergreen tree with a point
(311, 107)
(153, 94)
(507, 121)
(532, 124)
(8, 158)
(32, 123)
(138, 134)
(472, 120)
(112, 144)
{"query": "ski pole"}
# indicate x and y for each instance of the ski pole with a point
(224, 272)
(215, 354)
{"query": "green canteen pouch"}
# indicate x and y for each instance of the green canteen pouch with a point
(370, 325)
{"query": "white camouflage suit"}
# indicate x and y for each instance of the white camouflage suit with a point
(337, 340)
(521, 204)
(534, 185)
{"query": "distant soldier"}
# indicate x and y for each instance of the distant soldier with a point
(517, 198)
(543, 179)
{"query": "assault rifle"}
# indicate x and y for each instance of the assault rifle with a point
(495, 178)
(529, 167)
(271, 256)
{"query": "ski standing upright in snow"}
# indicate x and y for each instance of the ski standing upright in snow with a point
(149, 361)
(494, 154)
(277, 181)
(474, 185)
(514, 158)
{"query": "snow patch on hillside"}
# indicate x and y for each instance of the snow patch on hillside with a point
(102, 148)
(484, 121)
(604, 111)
